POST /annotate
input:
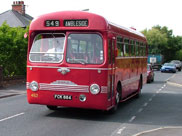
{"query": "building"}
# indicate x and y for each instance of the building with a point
(16, 17)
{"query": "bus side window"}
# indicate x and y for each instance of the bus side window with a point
(126, 48)
(113, 53)
(141, 49)
(145, 51)
(136, 48)
(132, 45)
(109, 51)
(120, 46)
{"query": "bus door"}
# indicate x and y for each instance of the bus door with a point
(111, 54)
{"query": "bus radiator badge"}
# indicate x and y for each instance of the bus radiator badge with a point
(63, 71)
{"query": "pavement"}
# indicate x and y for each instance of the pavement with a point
(12, 90)
(176, 80)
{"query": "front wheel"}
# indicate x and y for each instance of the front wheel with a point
(117, 99)
(52, 107)
(139, 89)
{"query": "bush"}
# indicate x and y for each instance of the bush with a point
(13, 50)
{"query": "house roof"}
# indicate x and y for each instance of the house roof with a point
(15, 19)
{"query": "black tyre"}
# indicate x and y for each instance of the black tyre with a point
(117, 99)
(153, 79)
(52, 107)
(139, 88)
(114, 109)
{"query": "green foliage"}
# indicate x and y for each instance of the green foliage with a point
(179, 55)
(162, 41)
(13, 48)
(156, 40)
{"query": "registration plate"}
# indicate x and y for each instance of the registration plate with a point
(63, 97)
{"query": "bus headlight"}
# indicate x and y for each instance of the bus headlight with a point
(94, 89)
(34, 86)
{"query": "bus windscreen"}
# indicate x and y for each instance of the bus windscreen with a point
(85, 49)
(47, 48)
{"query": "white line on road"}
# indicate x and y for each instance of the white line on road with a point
(174, 84)
(118, 130)
(150, 99)
(121, 130)
(140, 110)
(145, 104)
(12, 117)
(170, 77)
(133, 118)
(153, 130)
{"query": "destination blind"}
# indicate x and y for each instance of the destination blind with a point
(76, 23)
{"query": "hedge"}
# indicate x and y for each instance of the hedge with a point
(13, 50)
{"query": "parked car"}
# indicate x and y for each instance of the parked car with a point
(150, 73)
(169, 67)
(178, 64)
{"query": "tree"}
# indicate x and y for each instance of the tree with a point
(156, 40)
(178, 54)
(162, 41)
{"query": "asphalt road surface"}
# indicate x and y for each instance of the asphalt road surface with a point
(157, 112)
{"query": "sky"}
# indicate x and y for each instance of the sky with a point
(140, 14)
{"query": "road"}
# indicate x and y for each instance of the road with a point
(158, 110)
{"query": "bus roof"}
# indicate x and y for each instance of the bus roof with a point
(95, 22)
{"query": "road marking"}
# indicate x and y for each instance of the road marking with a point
(145, 104)
(152, 130)
(174, 84)
(12, 116)
(170, 77)
(118, 130)
(132, 119)
(121, 130)
(140, 110)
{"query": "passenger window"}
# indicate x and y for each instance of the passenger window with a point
(120, 46)
(132, 45)
(126, 48)
(136, 49)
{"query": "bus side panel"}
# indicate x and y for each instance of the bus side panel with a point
(128, 72)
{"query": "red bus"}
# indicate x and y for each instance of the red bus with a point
(79, 59)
